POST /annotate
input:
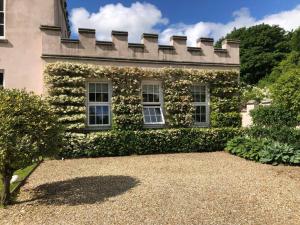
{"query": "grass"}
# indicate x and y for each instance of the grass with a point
(22, 173)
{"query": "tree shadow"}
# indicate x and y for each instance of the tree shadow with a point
(82, 190)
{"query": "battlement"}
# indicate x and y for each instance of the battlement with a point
(148, 50)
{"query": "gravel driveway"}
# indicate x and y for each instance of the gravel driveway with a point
(205, 188)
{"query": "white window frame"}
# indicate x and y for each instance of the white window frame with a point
(99, 103)
(206, 104)
(4, 20)
(153, 104)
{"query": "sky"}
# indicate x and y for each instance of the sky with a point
(191, 18)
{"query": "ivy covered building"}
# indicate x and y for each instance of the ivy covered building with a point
(99, 85)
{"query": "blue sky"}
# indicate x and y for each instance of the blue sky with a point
(190, 17)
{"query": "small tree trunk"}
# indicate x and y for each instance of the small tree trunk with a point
(5, 195)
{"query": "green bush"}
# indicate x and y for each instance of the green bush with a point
(29, 130)
(282, 134)
(286, 90)
(273, 115)
(264, 151)
(119, 143)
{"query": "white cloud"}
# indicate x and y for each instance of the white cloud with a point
(136, 19)
(288, 20)
(144, 17)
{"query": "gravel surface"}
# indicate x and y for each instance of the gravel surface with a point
(204, 188)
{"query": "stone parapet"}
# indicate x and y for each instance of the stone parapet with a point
(148, 50)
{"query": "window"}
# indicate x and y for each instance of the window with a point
(1, 79)
(2, 18)
(200, 100)
(152, 103)
(99, 95)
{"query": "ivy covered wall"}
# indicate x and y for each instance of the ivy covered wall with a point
(66, 84)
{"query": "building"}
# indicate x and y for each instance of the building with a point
(35, 33)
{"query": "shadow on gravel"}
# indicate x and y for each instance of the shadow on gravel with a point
(83, 190)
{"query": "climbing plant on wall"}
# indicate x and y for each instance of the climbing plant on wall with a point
(67, 94)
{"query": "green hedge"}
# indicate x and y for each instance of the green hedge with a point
(120, 143)
(264, 150)
(282, 134)
(274, 115)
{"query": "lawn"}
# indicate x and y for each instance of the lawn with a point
(196, 188)
(22, 175)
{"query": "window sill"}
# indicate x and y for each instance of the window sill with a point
(3, 40)
(96, 128)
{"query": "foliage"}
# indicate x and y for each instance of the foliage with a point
(119, 143)
(262, 47)
(282, 134)
(286, 91)
(250, 92)
(273, 115)
(295, 40)
(291, 62)
(67, 90)
(28, 130)
(264, 150)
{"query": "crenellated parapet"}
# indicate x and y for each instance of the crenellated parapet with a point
(148, 51)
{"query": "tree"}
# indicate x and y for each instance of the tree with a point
(286, 91)
(295, 40)
(29, 130)
(262, 48)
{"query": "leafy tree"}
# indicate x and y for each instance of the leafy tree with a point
(291, 62)
(286, 90)
(262, 47)
(295, 40)
(29, 130)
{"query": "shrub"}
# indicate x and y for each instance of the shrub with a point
(119, 143)
(273, 115)
(282, 134)
(28, 130)
(286, 90)
(264, 150)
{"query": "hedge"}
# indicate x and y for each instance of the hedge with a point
(274, 115)
(67, 89)
(120, 143)
(282, 134)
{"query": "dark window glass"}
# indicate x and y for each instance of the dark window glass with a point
(1, 5)
(150, 93)
(1, 18)
(1, 79)
(1, 30)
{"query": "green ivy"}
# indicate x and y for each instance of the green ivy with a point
(67, 94)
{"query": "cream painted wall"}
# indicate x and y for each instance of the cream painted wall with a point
(20, 52)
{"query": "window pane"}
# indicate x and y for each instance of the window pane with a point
(1, 79)
(99, 110)
(105, 119)
(1, 18)
(92, 120)
(200, 114)
(104, 88)
(98, 88)
(198, 93)
(1, 30)
(99, 119)
(153, 115)
(150, 93)
(92, 97)
(105, 110)
(98, 97)
(104, 97)
(92, 110)
(92, 88)
(1, 5)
